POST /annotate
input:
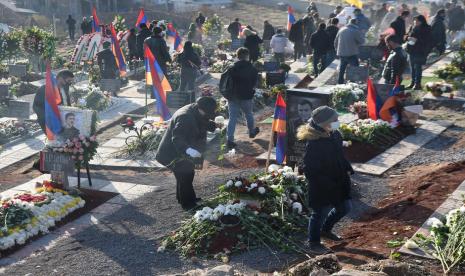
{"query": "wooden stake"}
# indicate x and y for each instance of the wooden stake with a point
(270, 147)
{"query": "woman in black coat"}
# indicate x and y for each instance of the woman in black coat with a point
(296, 36)
(418, 47)
(327, 172)
(252, 43)
(190, 64)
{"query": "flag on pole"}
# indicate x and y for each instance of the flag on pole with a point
(290, 17)
(160, 85)
(172, 32)
(396, 89)
(374, 102)
(141, 18)
(52, 100)
(116, 49)
(95, 21)
(279, 126)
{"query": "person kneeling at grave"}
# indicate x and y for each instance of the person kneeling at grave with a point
(328, 175)
(183, 143)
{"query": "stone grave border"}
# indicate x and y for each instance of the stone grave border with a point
(105, 152)
(452, 202)
(127, 192)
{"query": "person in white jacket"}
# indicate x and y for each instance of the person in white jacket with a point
(278, 44)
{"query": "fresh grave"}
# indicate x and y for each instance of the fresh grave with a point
(258, 210)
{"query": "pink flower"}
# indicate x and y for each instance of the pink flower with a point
(92, 138)
(78, 145)
(81, 157)
(75, 151)
(75, 139)
(82, 137)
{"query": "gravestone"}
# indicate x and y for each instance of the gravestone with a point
(17, 70)
(273, 78)
(19, 109)
(4, 91)
(59, 164)
(110, 85)
(271, 66)
(357, 74)
(177, 99)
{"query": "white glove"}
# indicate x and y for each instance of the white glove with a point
(193, 153)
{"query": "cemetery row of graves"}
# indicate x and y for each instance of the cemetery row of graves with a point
(254, 210)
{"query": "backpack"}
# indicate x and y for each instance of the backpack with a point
(226, 85)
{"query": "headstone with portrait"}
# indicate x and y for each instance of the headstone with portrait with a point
(300, 104)
(74, 122)
(19, 109)
(59, 165)
(357, 74)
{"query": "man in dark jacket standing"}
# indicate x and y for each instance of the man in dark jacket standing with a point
(296, 35)
(71, 26)
(234, 29)
(268, 30)
(64, 80)
(396, 61)
(106, 62)
(438, 31)
(381, 13)
(157, 45)
(418, 48)
(140, 38)
(184, 142)
(320, 44)
(85, 26)
(244, 78)
(200, 20)
(456, 17)
(399, 26)
(132, 44)
(332, 31)
(327, 172)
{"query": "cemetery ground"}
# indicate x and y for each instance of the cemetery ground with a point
(386, 208)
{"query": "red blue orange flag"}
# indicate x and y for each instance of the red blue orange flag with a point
(95, 21)
(160, 85)
(374, 102)
(141, 18)
(396, 89)
(116, 49)
(172, 32)
(290, 17)
(52, 100)
(279, 126)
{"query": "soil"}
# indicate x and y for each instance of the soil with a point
(305, 82)
(93, 198)
(361, 152)
(414, 197)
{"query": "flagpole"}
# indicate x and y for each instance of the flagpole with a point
(270, 145)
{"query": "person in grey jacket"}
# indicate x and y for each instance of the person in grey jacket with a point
(278, 44)
(347, 43)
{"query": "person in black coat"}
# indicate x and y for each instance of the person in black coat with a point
(234, 29)
(296, 35)
(268, 30)
(106, 62)
(418, 47)
(132, 44)
(84, 26)
(184, 142)
(244, 78)
(396, 61)
(332, 31)
(200, 20)
(71, 26)
(327, 173)
(320, 44)
(140, 38)
(456, 16)
(157, 45)
(64, 80)
(399, 26)
(190, 64)
(252, 43)
(438, 31)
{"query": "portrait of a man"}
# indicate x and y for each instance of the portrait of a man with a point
(69, 130)
(304, 112)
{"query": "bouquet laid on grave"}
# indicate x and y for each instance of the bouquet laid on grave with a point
(260, 210)
(446, 238)
(92, 98)
(26, 215)
(39, 42)
(369, 131)
(359, 108)
(344, 95)
(438, 88)
(12, 129)
(82, 149)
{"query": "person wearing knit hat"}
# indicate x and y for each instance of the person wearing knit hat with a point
(183, 143)
(252, 43)
(327, 172)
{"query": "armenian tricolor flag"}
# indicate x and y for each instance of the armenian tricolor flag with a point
(374, 102)
(116, 49)
(52, 100)
(396, 89)
(279, 126)
(172, 32)
(160, 85)
(290, 17)
(141, 18)
(95, 21)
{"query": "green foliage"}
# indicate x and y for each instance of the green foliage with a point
(10, 44)
(14, 216)
(450, 71)
(395, 243)
(213, 26)
(39, 42)
(198, 49)
(120, 23)
(94, 74)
